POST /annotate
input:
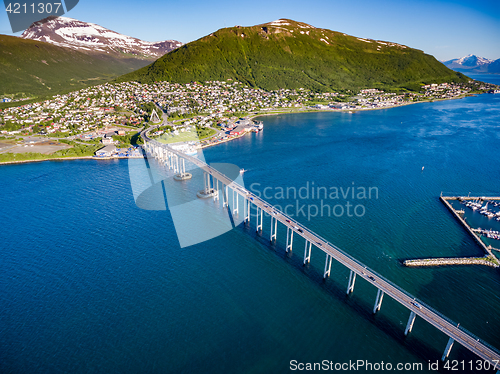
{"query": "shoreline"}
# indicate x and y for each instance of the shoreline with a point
(356, 110)
(250, 117)
(352, 111)
(64, 159)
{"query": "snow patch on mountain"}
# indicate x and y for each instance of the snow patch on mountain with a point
(473, 61)
(84, 36)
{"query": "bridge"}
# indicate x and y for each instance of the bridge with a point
(175, 160)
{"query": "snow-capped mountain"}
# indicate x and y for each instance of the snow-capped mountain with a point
(473, 64)
(91, 38)
(473, 61)
(469, 61)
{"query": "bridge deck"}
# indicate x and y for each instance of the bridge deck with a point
(442, 323)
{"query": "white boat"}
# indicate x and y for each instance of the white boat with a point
(242, 171)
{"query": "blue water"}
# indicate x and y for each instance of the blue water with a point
(89, 283)
(489, 78)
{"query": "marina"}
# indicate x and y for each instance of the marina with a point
(492, 234)
(474, 203)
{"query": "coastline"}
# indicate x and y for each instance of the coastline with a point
(251, 117)
(63, 159)
(298, 111)
(356, 110)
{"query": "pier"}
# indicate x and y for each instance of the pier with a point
(445, 199)
(357, 269)
(470, 230)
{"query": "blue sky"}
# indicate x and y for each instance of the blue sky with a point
(446, 28)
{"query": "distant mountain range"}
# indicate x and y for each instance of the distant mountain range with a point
(290, 54)
(91, 38)
(473, 64)
(61, 54)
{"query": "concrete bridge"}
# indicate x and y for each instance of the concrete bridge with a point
(175, 160)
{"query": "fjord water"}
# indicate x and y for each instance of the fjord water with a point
(91, 283)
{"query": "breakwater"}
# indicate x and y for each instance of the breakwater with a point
(450, 261)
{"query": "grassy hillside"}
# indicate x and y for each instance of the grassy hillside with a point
(290, 54)
(33, 68)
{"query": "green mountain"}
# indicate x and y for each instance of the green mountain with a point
(289, 54)
(33, 68)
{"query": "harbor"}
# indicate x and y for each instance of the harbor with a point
(474, 203)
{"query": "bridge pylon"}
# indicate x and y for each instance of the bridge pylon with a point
(447, 349)
(378, 301)
(352, 279)
(411, 320)
(274, 228)
(328, 266)
(307, 252)
(289, 239)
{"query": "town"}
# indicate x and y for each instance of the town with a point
(110, 114)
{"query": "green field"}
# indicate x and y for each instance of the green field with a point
(206, 133)
(187, 136)
(77, 150)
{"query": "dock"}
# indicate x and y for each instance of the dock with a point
(445, 199)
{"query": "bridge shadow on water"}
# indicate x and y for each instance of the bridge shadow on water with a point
(426, 344)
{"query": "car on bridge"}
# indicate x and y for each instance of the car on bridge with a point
(415, 304)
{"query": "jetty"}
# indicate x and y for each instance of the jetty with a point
(451, 261)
